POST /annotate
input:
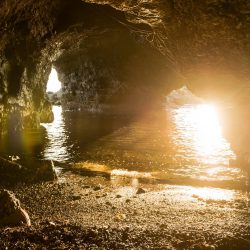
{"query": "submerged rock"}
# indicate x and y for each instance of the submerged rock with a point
(11, 213)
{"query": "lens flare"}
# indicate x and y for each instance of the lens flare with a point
(208, 137)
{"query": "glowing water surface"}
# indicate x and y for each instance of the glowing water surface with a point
(181, 145)
(198, 127)
(57, 147)
(199, 137)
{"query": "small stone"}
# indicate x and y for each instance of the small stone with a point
(140, 191)
(96, 188)
(52, 223)
(162, 226)
(108, 203)
(120, 217)
(76, 197)
(118, 196)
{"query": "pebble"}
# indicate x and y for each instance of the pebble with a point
(76, 197)
(96, 188)
(140, 191)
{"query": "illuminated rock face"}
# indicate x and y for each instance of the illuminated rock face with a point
(207, 43)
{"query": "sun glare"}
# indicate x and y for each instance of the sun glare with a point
(199, 129)
(208, 130)
(53, 84)
(215, 194)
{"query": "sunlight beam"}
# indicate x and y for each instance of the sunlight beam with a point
(53, 85)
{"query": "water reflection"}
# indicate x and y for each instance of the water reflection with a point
(72, 132)
(131, 174)
(183, 145)
(57, 147)
(200, 143)
(199, 131)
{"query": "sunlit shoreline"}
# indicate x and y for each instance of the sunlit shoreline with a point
(205, 193)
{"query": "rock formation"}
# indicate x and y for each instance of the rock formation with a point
(12, 173)
(45, 172)
(118, 52)
(11, 213)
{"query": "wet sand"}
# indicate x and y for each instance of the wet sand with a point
(104, 212)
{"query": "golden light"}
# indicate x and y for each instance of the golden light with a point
(199, 129)
(53, 84)
(57, 147)
(208, 136)
(216, 194)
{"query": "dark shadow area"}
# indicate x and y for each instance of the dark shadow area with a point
(87, 15)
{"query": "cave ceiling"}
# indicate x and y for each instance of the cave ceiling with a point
(206, 42)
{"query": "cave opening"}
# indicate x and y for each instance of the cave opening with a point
(100, 139)
(53, 84)
(199, 127)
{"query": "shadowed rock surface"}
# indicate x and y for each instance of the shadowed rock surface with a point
(11, 213)
(37, 171)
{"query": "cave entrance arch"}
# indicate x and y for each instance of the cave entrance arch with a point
(53, 84)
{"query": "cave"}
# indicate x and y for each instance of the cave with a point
(116, 113)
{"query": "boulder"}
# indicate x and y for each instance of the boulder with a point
(11, 213)
(9, 166)
(46, 172)
(11, 172)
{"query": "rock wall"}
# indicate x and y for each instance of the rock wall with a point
(116, 72)
(207, 44)
(24, 67)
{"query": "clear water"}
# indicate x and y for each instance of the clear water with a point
(179, 145)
